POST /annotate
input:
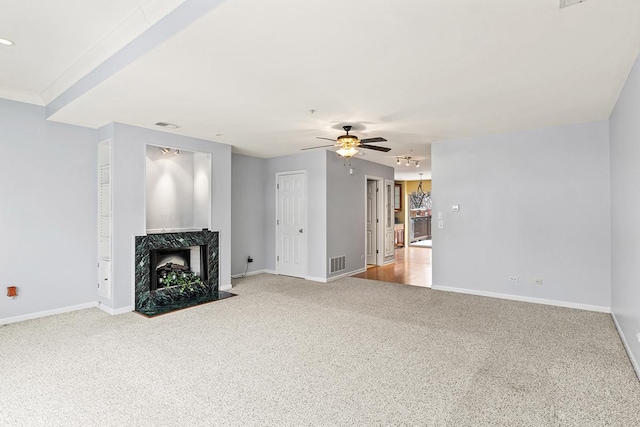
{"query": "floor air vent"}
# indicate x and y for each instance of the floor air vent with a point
(337, 263)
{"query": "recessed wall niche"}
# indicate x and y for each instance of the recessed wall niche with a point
(178, 190)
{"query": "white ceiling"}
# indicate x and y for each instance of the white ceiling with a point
(58, 42)
(249, 72)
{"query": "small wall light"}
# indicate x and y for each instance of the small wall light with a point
(12, 291)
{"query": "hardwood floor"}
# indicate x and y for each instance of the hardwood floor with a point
(412, 267)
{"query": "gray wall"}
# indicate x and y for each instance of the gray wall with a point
(128, 195)
(625, 212)
(334, 198)
(533, 205)
(248, 224)
(315, 163)
(48, 212)
(346, 208)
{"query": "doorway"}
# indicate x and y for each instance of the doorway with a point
(291, 218)
(372, 222)
(413, 263)
(374, 215)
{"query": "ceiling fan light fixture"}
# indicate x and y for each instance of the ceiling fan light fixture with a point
(417, 163)
(347, 152)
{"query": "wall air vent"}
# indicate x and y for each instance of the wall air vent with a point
(167, 125)
(566, 3)
(337, 263)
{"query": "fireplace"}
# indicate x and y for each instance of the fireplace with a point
(175, 271)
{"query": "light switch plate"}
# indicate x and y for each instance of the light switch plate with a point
(440, 224)
(440, 215)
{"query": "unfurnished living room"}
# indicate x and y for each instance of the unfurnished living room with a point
(193, 193)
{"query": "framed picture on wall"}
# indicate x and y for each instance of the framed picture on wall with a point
(397, 197)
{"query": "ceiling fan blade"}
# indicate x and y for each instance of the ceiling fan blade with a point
(328, 139)
(370, 140)
(319, 146)
(375, 147)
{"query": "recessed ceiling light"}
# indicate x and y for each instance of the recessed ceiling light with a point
(567, 3)
(167, 125)
(6, 42)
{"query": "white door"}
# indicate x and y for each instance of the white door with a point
(104, 284)
(372, 220)
(388, 221)
(291, 245)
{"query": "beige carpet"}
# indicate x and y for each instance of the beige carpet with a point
(292, 353)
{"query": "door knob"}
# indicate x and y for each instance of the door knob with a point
(300, 230)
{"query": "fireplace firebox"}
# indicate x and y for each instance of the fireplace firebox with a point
(167, 263)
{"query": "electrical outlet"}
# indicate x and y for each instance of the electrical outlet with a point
(249, 259)
(440, 224)
(513, 278)
(537, 282)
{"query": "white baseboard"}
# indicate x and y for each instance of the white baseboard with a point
(391, 261)
(634, 362)
(599, 309)
(334, 278)
(224, 287)
(117, 311)
(343, 275)
(46, 313)
(252, 273)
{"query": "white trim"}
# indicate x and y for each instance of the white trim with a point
(117, 311)
(389, 217)
(598, 308)
(379, 215)
(343, 275)
(334, 278)
(391, 261)
(224, 287)
(47, 313)
(627, 347)
(21, 96)
(252, 273)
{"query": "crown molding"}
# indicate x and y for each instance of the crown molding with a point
(21, 96)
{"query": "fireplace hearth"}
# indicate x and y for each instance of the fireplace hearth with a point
(166, 275)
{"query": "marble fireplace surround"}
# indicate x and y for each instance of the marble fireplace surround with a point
(165, 300)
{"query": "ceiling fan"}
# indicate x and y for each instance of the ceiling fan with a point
(348, 144)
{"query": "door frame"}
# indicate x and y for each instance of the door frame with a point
(306, 215)
(379, 224)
